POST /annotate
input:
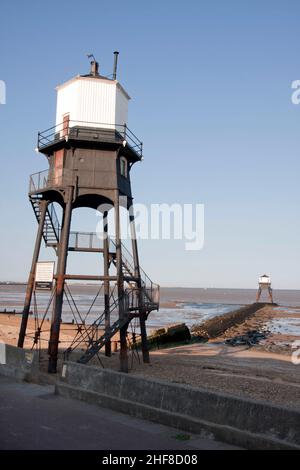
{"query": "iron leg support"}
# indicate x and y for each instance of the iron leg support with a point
(144, 342)
(31, 278)
(270, 294)
(106, 284)
(120, 282)
(145, 348)
(258, 294)
(60, 281)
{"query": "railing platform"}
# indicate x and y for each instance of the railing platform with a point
(95, 133)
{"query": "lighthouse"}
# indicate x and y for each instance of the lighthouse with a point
(264, 283)
(90, 152)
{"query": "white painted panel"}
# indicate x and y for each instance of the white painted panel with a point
(67, 102)
(121, 107)
(92, 102)
(97, 101)
(264, 280)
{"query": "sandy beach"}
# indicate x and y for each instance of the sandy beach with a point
(10, 325)
(281, 324)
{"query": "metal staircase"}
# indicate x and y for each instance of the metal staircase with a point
(98, 344)
(51, 229)
(134, 302)
(139, 297)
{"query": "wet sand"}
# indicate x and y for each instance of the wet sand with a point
(279, 339)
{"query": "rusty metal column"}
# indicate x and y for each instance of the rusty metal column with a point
(30, 284)
(106, 282)
(137, 273)
(120, 285)
(60, 281)
(270, 294)
(258, 294)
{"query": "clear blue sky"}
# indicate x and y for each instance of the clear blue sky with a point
(211, 87)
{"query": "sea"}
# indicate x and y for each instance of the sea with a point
(178, 304)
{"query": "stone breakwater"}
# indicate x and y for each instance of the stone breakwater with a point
(216, 326)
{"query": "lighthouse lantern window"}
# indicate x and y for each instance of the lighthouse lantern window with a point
(123, 167)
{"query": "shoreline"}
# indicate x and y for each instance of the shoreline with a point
(282, 325)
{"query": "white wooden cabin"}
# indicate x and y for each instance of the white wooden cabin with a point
(92, 101)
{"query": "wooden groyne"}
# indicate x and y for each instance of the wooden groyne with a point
(177, 333)
(6, 311)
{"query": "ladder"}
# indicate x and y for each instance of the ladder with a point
(51, 230)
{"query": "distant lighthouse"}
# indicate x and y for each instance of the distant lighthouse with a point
(264, 283)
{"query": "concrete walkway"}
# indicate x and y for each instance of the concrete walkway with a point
(32, 417)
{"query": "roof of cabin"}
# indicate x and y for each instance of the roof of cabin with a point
(93, 77)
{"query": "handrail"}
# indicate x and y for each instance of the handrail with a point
(63, 130)
(54, 220)
(150, 290)
(38, 181)
(87, 240)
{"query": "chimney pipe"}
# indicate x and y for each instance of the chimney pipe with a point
(94, 68)
(116, 53)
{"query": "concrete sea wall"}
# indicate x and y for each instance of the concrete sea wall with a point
(18, 363)
(242, 422)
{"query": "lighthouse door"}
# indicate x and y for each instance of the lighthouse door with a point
(66, 123)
